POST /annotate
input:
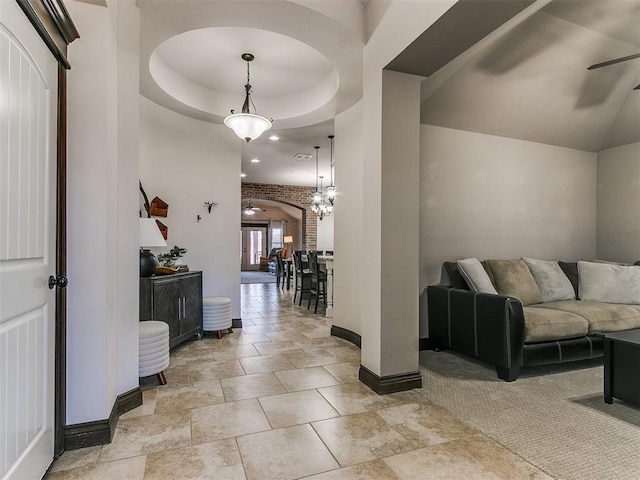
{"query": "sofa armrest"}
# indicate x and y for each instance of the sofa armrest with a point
(489, 327)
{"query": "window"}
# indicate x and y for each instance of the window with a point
(277, 233)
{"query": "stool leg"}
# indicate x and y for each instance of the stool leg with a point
(219, 334)
(161, 378)
(229, 330)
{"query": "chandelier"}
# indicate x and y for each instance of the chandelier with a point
(321, 205)
(247, 125)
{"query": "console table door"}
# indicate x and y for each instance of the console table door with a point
(167, 305)
(28, 107)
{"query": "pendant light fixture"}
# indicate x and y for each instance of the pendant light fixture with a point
(247, 125)
(319, 205)
(331, 189)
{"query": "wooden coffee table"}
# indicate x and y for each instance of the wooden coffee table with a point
(622, 366)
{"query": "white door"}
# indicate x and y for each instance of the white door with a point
(28, 98)
(254, 246)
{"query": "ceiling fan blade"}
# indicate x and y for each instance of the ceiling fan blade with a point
(637, 87)
(614, 61)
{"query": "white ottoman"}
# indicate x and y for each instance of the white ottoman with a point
(216, 314)
(153, 349)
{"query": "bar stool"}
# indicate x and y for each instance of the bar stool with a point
(153, 351)
(216, 314)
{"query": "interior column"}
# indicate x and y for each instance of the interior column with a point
(391, 170)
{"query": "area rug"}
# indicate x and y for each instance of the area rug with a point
(554, 417)
(257, 277)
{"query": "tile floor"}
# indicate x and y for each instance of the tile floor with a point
(280, 399)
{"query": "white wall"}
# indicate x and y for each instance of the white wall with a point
(325, 231)
(102, 204)
(493, 197)
(186, 162)
(618, 237)
(348, 220)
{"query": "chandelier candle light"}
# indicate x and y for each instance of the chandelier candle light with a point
(247, 125)
(319, 205)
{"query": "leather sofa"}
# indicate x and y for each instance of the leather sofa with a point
(500, 329)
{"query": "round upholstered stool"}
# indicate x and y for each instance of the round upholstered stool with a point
(153, 349)
(216, 314)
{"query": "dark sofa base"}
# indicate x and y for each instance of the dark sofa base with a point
(491, 328)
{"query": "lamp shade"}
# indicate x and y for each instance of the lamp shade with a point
(288, 239)
(247, 126)
(150, 235)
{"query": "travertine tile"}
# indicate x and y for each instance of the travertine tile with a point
(148, 407)
(216, 460)
(312, 358)
(346, 372)
(127, 469)
(284, 454)
(189, 396)
(306, 378)
(231, 419)
(375, 470)
(236, 351)
(152, 433)
(361, 438)
(296, 408)
(266, 363)
(176, 376)
(76, 458)
(273, 348)
(252, 329)
(211, 370)
(425, 423)
(356, 398)
(251, 386)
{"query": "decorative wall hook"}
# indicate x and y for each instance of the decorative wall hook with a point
(210, 205)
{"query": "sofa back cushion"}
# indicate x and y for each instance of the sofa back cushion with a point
(456, 280)
(476, 276)
(604, 282)
(551, 280)
(513, 278)
(570, 269)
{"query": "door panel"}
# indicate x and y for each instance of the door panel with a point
(254, 246)
(28, 86)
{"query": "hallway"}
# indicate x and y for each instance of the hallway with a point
(280, 399)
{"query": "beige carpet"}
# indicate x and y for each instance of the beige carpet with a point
(554, 417)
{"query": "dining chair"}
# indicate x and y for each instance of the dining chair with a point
(281, 273)
(318, 286)
(303, 276)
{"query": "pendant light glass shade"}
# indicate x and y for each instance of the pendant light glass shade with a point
(247, 125)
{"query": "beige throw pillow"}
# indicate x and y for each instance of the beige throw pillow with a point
(554, 285)
(513, 279)
(476, 276)
(604, 282)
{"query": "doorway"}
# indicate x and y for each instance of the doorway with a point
(254, 246)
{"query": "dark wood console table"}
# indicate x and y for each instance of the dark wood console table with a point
(175, 299)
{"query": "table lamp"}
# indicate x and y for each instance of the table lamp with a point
(287, 240)
(150, 236)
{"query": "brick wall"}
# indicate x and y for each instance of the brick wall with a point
(294, 195)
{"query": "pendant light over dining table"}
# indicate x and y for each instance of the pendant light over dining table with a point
(247, 125)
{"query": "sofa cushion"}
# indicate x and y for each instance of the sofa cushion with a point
(604, 282)
(601, 317)
(570, 269)
(552, 282)
(513, 279)
(544, 324)
(475, 276)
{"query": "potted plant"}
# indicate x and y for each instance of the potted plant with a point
(169, 259)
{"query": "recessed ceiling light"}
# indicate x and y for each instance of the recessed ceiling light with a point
(274, 137)
(255, 160)
(243, 175)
